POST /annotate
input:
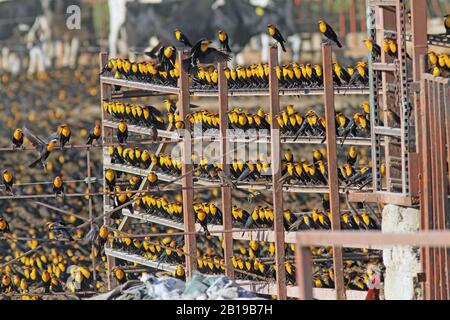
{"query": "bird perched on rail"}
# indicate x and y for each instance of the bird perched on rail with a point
(203, 53)
(59, 230)
(44, 147)
(4, 226)
(328, 32)
(8, 180)
(224, 41)
(122, 131)
(94, 134)
(58, 186)
(17, 138)
(64, 134)
(276, 34)
(373, 47)
(181, 37)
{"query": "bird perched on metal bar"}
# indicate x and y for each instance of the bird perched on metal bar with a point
(59, 230)
(328, 32)
(94, 134)
(8, 180)
(122, 132)
(224, 41)
(203, 53)
(447, 23)
(64, 134)
(44, 147)
(17, 138)
(276, 34)
(181, 37)
(373, 47)
(58, 186)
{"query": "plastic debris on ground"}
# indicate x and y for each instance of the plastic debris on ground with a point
(201, 287)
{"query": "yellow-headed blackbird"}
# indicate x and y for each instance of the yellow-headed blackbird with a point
(59, 229)
(4, 226)
(122, 132)
(152, 179)
(352, 155)
(373, 47)
(276, 34)
(110, 178)
(224, 41)
(64, 134)
(167, 57)
(203, 53)
(44, 147)
(328, 32)
(95, 133)
(58, 187)
(181, 37)
(289, 219)
(17, 138)
(179, 273)
(119, 274)
(8, 180)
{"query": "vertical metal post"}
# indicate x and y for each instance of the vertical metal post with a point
(91, 217)
(425, 187)
(186, 171)
(277, 188)
(303, 267)
(333, 182)
(105, 94)
(226, 190)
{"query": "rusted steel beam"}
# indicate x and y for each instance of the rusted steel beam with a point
(277, 190)
(333, 182)
(303, 269)
(434, 238)
(105, 95)
(226, 190)
(186, 171)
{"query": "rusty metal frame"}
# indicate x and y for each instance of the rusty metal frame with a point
(226, 190)
(277, 190)
(333, 182)
(186, 171)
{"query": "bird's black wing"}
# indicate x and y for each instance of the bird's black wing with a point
(35, 140)
(153, 52)
(213, 56)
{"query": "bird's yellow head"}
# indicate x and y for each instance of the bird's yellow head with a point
(222, 35)
(204, 45)
(177, 33)
(168, 52)
(322, 26)
(18, 134)
(271, 29)
(51, 145)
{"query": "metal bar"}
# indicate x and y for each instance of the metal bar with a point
(186, 171)
(433, 238)
(277, 190)
(91, 217)
(105, 95)
(227, 218)
(303, 272)
(139, 85)
(333, 182)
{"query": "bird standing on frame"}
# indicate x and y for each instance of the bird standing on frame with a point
(122, 132)
(373, 47)
(17, 138)
(181, 37)
(202, 52)
(64, 134)
(329, 33)
(223, 39)
(95, 134)
(276, 34)
(8, 180)
(59, 229)
(58, 187)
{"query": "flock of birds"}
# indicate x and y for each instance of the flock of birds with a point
(164, 68)
(61, 259)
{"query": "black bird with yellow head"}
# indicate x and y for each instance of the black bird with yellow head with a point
(276, 34)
